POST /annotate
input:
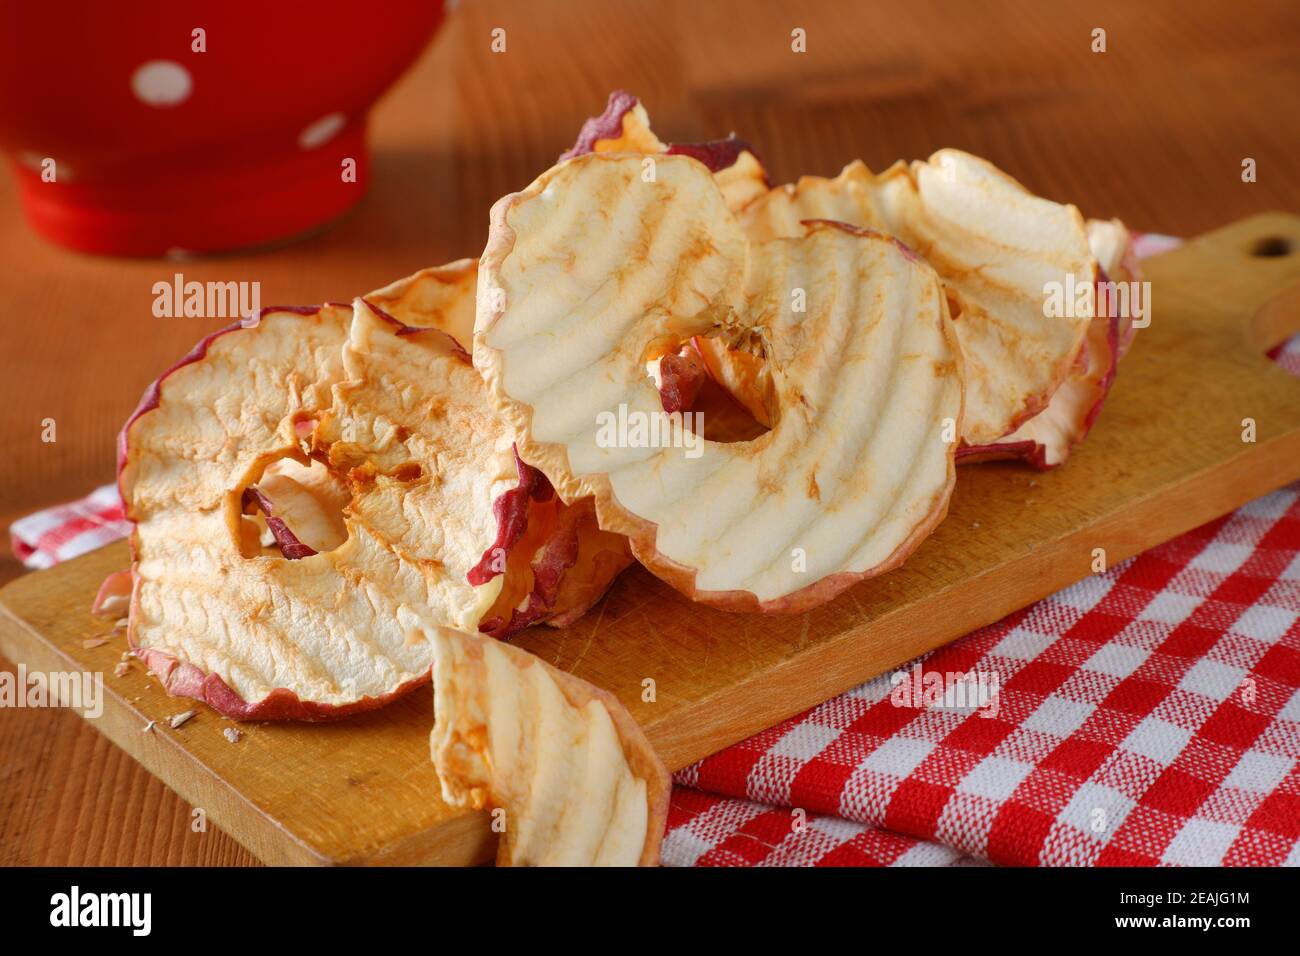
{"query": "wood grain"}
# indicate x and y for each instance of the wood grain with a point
(1154, 130)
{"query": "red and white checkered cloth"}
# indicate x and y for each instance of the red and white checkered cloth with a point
(56, 534)
(1148, 715)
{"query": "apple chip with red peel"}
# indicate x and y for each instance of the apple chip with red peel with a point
(290, 545)
(735, 168)
(573, 776)
(1046, 440)
(277, 586)
(256, 636)
(999, 250)
(113, 599)
(592, 271)
(601, 557)
(559, 569)
(624, 127)
(441, 451)
(1113, 245)
(441, 297)
(426, 459)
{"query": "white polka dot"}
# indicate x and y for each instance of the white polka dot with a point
(322, 131)
(161, 83)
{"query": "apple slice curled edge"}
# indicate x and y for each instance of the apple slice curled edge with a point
(568, 772)
(624, 127)
(1046, 440)
(113, 599)
(531, 524)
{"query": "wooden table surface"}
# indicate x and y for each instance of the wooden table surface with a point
(1154, 130)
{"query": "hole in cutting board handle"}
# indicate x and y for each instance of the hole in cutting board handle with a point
(1272, 247)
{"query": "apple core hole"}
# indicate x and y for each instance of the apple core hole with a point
(726, 390)
(293, 510)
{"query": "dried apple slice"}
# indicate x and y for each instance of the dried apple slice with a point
(592, 271)
(259, 637)
(525, 517)
(298, 508)
(278, 531)
(624, 127)
(600, 557)
(571, 775)
(1116, 251)
(1053, 413)
(1046, 440)
(307, 499)
(376, 540)
(441, 297)
(998, 249)
(426, 458)
(113, 599)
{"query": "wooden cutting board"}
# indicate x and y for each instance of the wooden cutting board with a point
(1166, 455)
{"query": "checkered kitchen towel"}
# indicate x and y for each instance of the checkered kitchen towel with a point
(44, 539)
(1147, 715)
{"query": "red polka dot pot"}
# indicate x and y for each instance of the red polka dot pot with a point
(170, 128)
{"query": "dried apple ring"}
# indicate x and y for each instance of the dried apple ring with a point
(997, 247)
(596, 269)
(314, 494)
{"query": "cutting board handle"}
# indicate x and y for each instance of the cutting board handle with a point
(1250, 268)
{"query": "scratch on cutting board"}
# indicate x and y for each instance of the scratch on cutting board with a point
(746, 637)
(856, 603)
(591, 636)
(638, 605)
